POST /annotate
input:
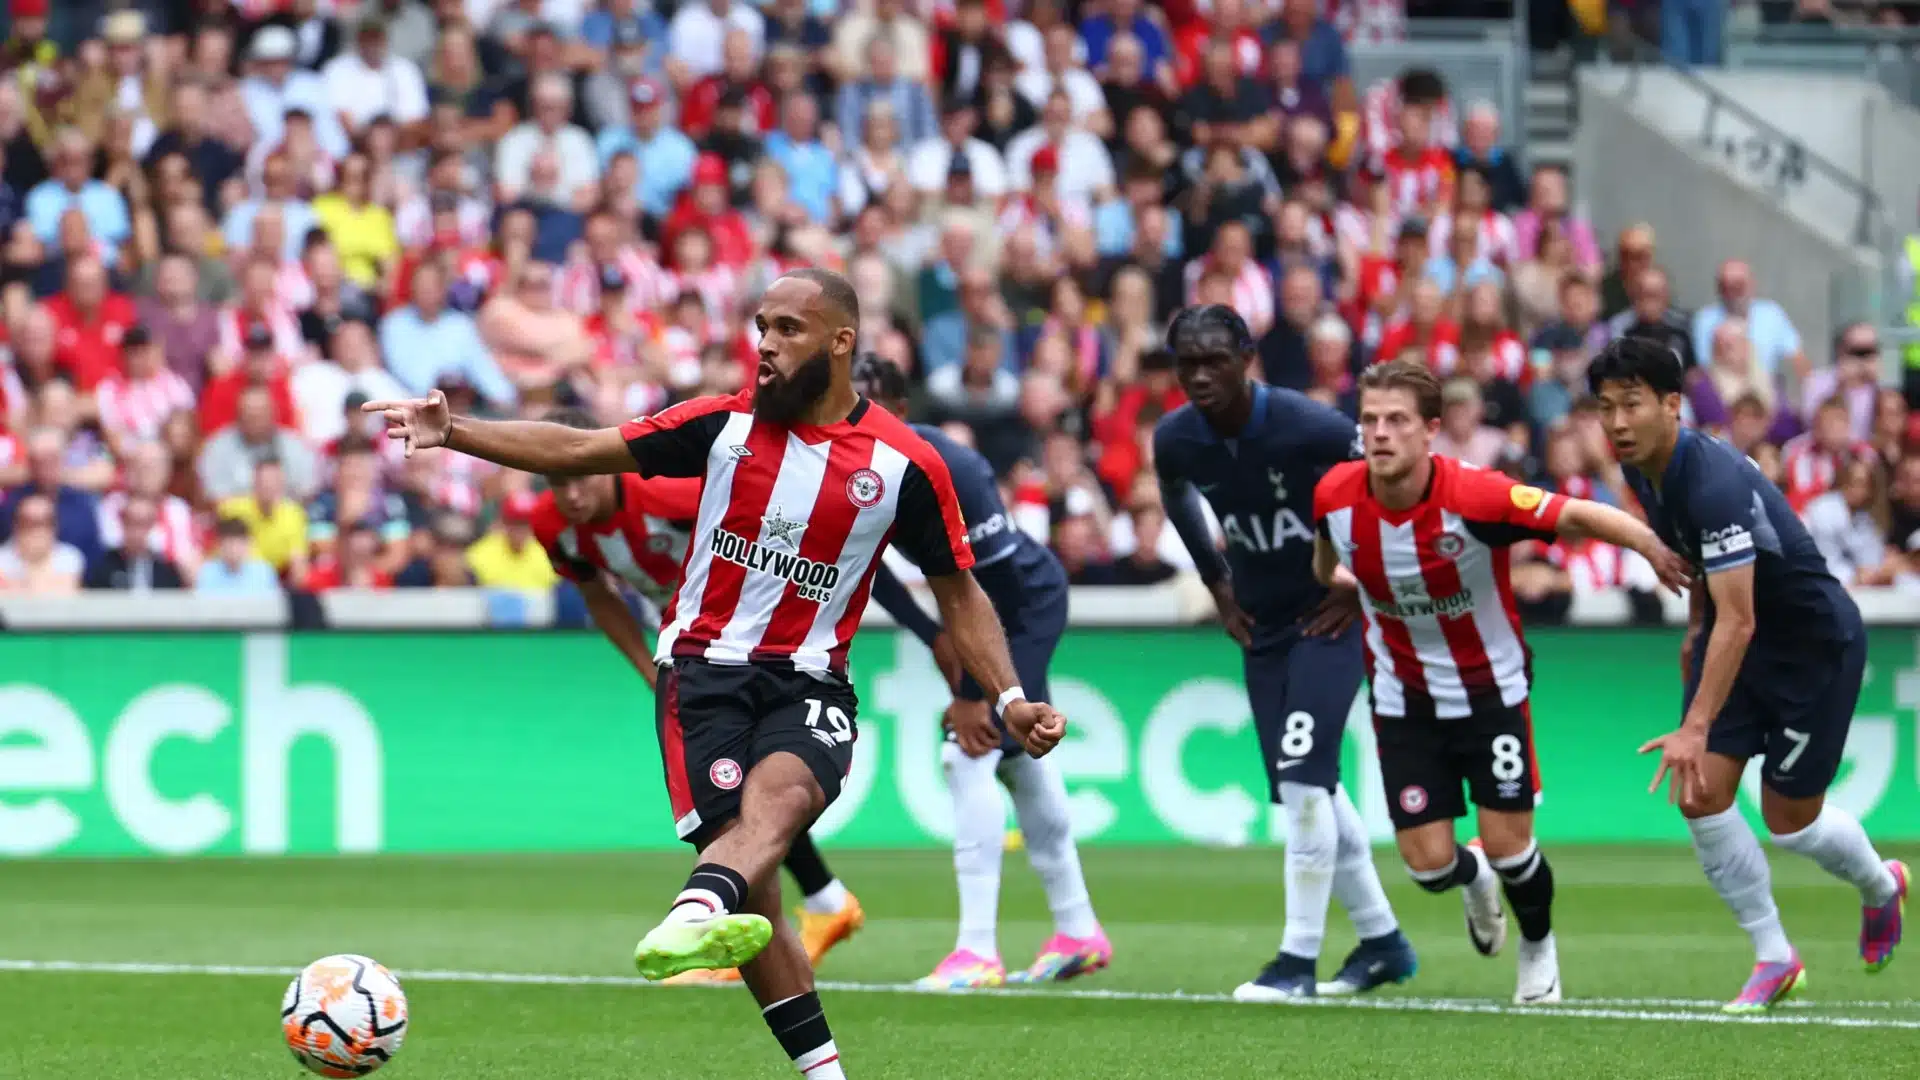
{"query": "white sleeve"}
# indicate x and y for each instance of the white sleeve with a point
(409, 91)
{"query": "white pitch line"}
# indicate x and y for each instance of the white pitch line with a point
(1681, 1010)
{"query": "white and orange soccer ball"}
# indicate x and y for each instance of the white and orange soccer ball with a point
(344, 1016)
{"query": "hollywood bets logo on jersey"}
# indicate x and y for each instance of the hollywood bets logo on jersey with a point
(812, 580)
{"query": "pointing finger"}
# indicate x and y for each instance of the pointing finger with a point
(387, 406)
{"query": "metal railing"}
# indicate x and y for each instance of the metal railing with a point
(1784, 159)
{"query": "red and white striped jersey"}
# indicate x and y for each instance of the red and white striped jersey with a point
(643, 542)
(279, 318)
(1417, 179)
(649, 286)
(138, 407)
(1252, 292)
(175, 534)
(1443, 633)
(1499, 243)
(1807, 471)
(791, 525)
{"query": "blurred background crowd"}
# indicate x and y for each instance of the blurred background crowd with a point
(225, 224)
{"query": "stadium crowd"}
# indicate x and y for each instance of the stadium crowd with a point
(220, 235)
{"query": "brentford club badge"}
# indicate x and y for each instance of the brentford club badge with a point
(725, 774)
(1449, 545)
(1413, 798)
(865, 489)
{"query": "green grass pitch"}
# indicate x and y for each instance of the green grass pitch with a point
(1646, 952)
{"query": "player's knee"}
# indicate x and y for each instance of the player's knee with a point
(1785, 818)
(1705, 804)
(1428, 852)
(786, 801)
(1505, 836)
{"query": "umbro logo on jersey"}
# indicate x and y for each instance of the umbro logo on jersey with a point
(739, 452)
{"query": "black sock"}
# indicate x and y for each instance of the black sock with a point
(720, 888)
(801, 1026)
(1528, 882)
(1464, 869)
(806, 865)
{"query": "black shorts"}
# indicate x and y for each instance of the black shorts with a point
(1794, 707)
(717, 721)
(1033, 628)
(1301, 690)
(1425, 762)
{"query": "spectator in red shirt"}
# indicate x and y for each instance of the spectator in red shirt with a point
(259, 365)
(1425, 331)
(739, 71)
(1229, 26)
(1418, 170)
(705, 209)
(90, 322)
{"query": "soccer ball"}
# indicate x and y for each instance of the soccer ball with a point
(344, 1016)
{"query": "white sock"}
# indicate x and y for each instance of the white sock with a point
(1737, 869)
(1046, 825)
(1313, 851)
(979, 834)
(825, 1064)
(829, 900)
(1356, 881)
(1836, 841)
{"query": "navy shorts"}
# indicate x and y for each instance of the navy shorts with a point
(1301, 689)
(1033, 627)
(1791, 706)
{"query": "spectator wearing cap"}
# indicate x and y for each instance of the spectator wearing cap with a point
(881, 82)
(699, 27)
(664, 153)
(813, 175)
(132, 405)
(71, 187)
(259, 363)
(125, 84)
(135, 566)
(90, 321)
(76, 517)
(706, 208)
(740, 70)
(865, 20)
(1776, 343)
(931, 162)
(508, 556)
(424, 340)
(235, 570)
(369, 80)
(548, 135)
(352, 366)
(273, 85)
(734, 141)
(1085, 167)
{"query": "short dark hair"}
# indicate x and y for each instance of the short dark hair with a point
(232, 528)
(1191, 321)
(1422, 86)
(1632, 359)
(882, 377)
(836, 290)
(1409, 375)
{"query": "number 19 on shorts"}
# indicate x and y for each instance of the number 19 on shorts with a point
(828, 723)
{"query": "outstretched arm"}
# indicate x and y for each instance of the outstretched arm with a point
(537, 447)
(1584, 518)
